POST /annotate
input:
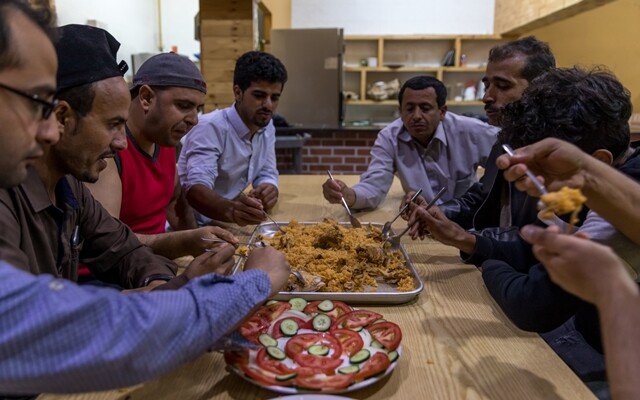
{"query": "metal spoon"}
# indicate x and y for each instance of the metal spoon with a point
(387, 225)
(395, 240)
(274, 222)
(354, 221)
(299, 277)
(530, 174)
(259, 243)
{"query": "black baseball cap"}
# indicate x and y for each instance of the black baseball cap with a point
(86, 54)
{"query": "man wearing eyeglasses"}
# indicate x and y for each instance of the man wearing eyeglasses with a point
(57, 336)
(51, 223)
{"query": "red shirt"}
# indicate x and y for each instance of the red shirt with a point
(147, 186)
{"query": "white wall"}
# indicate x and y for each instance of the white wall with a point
(178, 26)
(134, 23)
(395, 17)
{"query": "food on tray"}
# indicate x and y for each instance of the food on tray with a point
(564, 201)
(342, 258)
(320, 345)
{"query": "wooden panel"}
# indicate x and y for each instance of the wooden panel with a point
(219, 78)
(224, 49)
(516, 17)
(226, 9)
(218, 100)
(226, 28)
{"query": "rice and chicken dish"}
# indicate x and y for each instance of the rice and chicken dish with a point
(335, 258)
(564, 201)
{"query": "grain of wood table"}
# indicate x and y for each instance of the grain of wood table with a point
(457, 342)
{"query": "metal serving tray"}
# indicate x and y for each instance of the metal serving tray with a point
(384, 294)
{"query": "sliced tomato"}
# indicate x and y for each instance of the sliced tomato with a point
(351, 341)
(339, 309)
(254, 326)
(296, 348)
(262, 377)
(387, 333)
(325, 383)
(276, 332)
(320, 364)
(274, 310)
(378, 363)
(268, 363)
(355, 319)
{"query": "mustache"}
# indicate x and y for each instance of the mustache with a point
(35, 152)
(490, 108)
(108, 154)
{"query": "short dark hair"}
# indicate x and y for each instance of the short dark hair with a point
(80, 98)
(539, 56)
(41, 16)
(424, 82)
(590, 109)
(255, 66)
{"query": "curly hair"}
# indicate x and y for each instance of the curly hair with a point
(590, 109)
(255, 66)
(41, 16)
(539, 56)
(424, 82)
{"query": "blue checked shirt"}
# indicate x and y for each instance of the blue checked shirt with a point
(56, 336)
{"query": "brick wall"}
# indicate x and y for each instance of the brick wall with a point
(342, 151)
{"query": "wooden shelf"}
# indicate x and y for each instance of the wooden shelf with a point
(414, 55)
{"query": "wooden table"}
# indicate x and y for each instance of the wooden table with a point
(457, 342)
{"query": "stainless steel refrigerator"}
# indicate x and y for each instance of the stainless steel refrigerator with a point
(313, 57)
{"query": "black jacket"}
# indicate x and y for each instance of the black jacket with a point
(532, 301)
(478, 211)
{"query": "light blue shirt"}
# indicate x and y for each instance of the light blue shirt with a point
(219, 154)
(59, 337)
(458, 146)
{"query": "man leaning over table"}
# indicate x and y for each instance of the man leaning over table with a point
(588, 270)
(233, 148)
(51, 223)
(427, 147)
(140, 185)
(57, 336)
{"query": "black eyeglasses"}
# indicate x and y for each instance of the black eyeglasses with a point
(43, 107)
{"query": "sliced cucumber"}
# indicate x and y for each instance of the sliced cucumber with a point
(359, 357)
(289, 327)
(393, 356)
(297, 303)
(282, 378)
(267, 340)
(326, 305)
(351, 369)
(374, 343)
(276, 353)
(318, 350)
(270, 302)
(321, 322)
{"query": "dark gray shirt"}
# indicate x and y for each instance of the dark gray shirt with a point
(40, 237)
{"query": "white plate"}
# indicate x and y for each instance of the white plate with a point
(367, 339)
(312, 397)
(293, 390)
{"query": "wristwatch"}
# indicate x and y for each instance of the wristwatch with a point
(157, 277)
